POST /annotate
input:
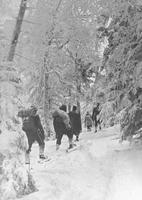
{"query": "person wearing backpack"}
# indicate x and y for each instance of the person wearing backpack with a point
(62, 126)
(34, 131)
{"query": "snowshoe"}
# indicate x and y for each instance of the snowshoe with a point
(72, 148)
(43, 159)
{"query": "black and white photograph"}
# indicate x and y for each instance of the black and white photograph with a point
(70, 99)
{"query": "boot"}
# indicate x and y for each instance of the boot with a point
(77, 138)
(70, 146)
(42, 157)
(41, 152)
(57, 147)
(71, 143)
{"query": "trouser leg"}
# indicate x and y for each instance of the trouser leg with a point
(99, 124)
(77, 136)
(40, 140)
(88, 128)
(41, 150)
(27, 158)
(70, 138)
(30, 142)
(76, 133)
(96, 125)
(58, 140)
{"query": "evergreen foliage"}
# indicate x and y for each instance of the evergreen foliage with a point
(122, 55)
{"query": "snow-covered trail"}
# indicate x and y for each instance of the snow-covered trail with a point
(101, 169)
(126, 182)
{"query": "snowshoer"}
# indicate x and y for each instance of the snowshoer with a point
(34, 131)
(88, 121)
(61, 123)
(95, 117)
(75, 122)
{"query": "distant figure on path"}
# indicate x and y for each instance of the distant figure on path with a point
(88, 121)
(95, 117)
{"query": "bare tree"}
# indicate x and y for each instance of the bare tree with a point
(17, 30)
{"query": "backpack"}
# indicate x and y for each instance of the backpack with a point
(29, 124)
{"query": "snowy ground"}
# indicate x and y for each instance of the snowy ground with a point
(102, 169)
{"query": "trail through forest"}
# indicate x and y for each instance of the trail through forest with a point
(101, 169)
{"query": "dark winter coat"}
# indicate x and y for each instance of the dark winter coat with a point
(61, 121)
(33, 127)
(75, 122)
(95, 113)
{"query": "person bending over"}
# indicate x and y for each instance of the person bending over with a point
(61, 123)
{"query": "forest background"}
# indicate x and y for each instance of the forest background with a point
(72, 52)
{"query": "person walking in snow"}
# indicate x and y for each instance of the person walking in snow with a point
(62, 126)
(88, 121)
(75, 122)
(34, 131)
(95, 117)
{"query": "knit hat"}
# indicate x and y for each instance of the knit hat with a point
(74, 108)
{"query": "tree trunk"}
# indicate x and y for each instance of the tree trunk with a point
(78, 86)
(78, 100)
(46, 105)
(46, 97)
(17, 30)
(78, 90)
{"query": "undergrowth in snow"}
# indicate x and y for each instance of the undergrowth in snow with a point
(15, 179)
